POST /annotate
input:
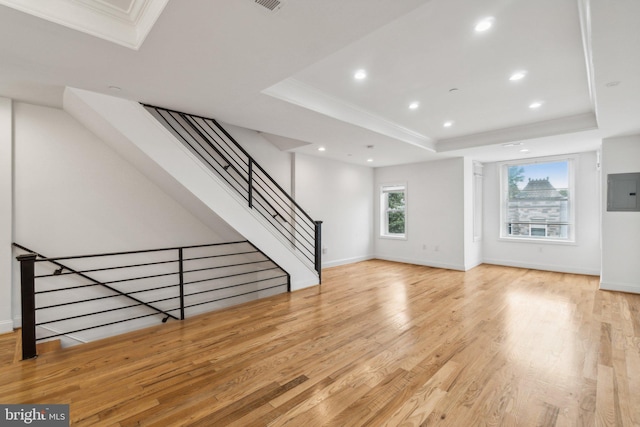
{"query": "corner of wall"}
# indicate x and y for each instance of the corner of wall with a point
(6, 213)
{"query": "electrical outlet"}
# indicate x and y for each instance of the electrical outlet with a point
(436, 248)
(424, 247)
(324, 251)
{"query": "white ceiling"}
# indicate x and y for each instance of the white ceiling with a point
(289, 73)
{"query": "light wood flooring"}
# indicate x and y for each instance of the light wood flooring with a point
(379, 343)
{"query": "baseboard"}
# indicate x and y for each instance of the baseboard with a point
(426, 263)
(6, 326)
(468, 267)
(620, 287)
(543, 267)
(346, 261)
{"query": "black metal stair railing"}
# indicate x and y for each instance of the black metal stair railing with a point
(222, 154)
(72, 294)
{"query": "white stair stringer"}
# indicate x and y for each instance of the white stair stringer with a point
(138, 137)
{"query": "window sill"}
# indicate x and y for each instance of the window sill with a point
(538, 241)
(392, 237)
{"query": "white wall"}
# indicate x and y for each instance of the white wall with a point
(435, 214)
(318, 186)
(75, 195)
(340, 195)
(277, 163)
(6, 213)
(620, 230)
(583, 257)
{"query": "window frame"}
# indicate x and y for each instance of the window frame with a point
(384, 223)
(572, 165)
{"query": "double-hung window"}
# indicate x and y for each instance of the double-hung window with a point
(393, 213)
(538, 201)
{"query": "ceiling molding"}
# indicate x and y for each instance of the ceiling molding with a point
(105, 19)
(561, 126)
(296, 92)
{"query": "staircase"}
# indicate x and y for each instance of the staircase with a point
(208, 181)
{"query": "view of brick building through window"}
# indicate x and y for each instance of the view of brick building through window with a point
(535, 206)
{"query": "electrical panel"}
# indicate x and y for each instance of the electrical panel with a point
(622, 192)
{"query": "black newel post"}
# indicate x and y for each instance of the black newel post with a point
(319, 250)
(28, 297)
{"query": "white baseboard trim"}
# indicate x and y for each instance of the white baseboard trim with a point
(346, 261)
(543, 267)
(6, 326)
(468, 267)
(426, 263)
(620, 287)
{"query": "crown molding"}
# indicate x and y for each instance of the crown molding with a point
(100, 18)
(298, 93)
(559, 126)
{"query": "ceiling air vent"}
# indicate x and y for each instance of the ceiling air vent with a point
(272, 5)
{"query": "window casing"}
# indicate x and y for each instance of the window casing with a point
(393, 211)
(538, 200)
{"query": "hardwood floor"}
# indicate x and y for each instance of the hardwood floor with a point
(379, 343)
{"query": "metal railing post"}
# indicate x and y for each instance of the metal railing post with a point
(318, 239)
(181, 274)
(28, 299)
(250, 181)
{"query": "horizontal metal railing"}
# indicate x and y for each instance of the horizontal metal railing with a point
(67, 295)
(222, 154)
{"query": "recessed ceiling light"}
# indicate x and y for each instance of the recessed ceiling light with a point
(321, 148)
(414, 105)
(484, 25)
(448, 124)
(360, 75)
(518, 75)
(114, 88)
(612, 84)
(369, 160)
(512, 144)
(535, 105)
(524, 150)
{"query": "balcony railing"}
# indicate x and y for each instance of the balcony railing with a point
(68, 295)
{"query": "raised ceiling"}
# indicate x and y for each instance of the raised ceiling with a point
(125, 22)
(289, 73)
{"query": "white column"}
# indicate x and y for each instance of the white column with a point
(6, 213)
(620, 230)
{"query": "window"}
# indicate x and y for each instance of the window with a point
(393, 217)
(538, 200)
